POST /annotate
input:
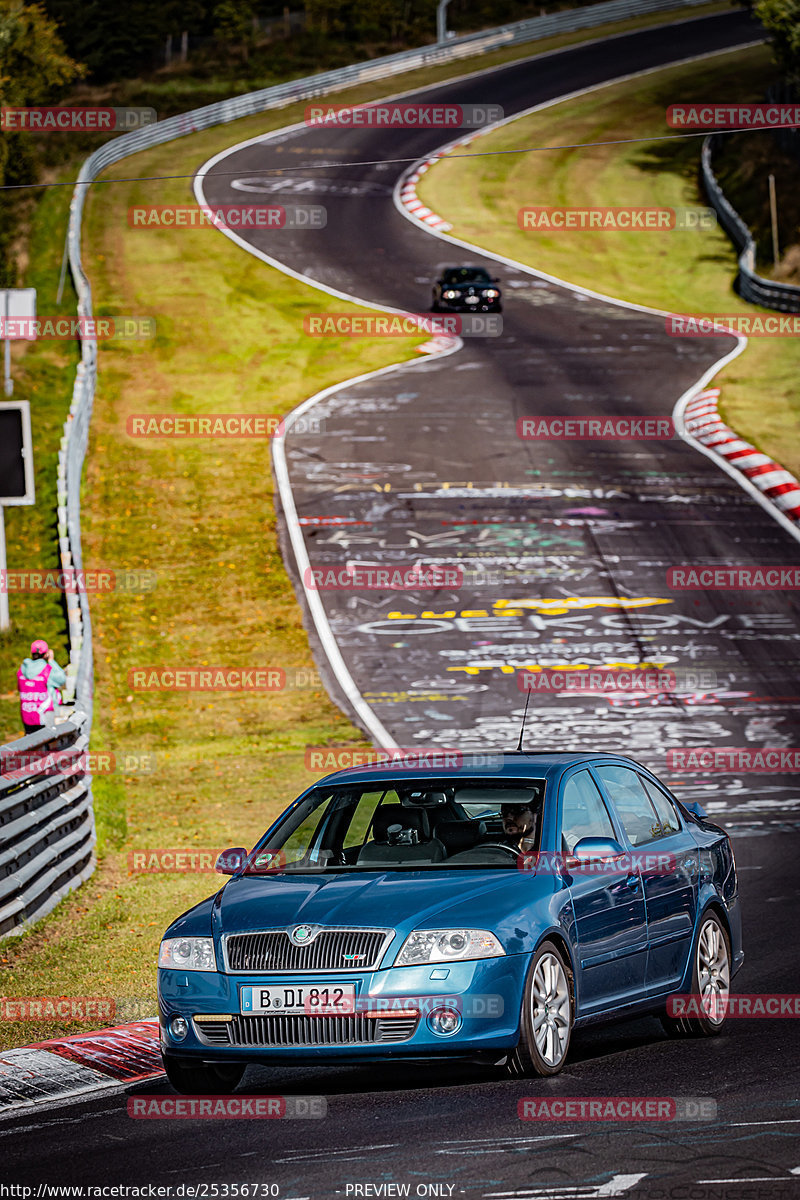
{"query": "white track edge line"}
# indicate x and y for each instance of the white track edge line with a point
(486, 129)
(746, 484)
(315, 605)
(316, 608)
(768, 505)
(580, 45)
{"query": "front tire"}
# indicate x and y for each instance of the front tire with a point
(547, 1016)
(203, 1079)
(711, 980)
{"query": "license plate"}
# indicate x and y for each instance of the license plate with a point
(317, 999)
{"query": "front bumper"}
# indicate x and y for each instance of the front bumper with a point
(461, 306)
(486, 994)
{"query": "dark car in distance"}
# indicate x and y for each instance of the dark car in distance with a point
(466, 289)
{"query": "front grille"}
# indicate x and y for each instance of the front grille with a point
(301, 1030)
(330, 950)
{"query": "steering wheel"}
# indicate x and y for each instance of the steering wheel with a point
(512, 850)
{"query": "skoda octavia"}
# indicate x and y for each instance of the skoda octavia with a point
(476, 911)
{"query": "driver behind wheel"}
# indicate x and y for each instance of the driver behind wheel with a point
(519, 826)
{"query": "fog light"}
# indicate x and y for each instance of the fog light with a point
(444, 1021)
(179, 1027)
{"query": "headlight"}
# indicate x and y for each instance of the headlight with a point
(450, 295)
(445, 945)
(491, 293)
(188, 954)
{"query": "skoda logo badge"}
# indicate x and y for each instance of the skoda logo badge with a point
(301, 934)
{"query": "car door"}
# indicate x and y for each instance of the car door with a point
(668, 861)
(608, 904)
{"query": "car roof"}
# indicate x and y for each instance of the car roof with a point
(489, 765)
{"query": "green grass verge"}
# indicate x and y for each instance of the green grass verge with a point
(44, 378)
(676, 271)
(202, 517)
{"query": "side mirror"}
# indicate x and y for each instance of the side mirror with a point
(231, 861)
(590, 849)
(696, 809)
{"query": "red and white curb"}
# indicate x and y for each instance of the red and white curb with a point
(425, 216)
(437, 344)
(77, 1065)
(704, 424)
(412, 203)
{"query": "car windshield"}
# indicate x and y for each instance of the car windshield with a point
(408, 826)
(456, 275)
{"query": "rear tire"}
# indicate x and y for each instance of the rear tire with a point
(546, 1017)
(711, 979)
(203, 1079)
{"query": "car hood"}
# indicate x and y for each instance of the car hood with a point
(380, 899)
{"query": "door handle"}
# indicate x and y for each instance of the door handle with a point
(632, 882)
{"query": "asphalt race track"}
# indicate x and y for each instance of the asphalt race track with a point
(565, 546)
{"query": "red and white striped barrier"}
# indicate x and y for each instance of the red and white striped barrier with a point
(412, 203)
(703, 422)
(79, 1065)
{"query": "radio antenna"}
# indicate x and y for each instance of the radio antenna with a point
(524, 718)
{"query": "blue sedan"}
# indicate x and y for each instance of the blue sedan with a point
(479, 911)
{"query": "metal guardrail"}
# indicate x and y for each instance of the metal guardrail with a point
(220, 113)
(783, 297)
(47, 832)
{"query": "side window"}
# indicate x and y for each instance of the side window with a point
(665, 809)
(363, 813)
(630, 799)
(583, 812)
